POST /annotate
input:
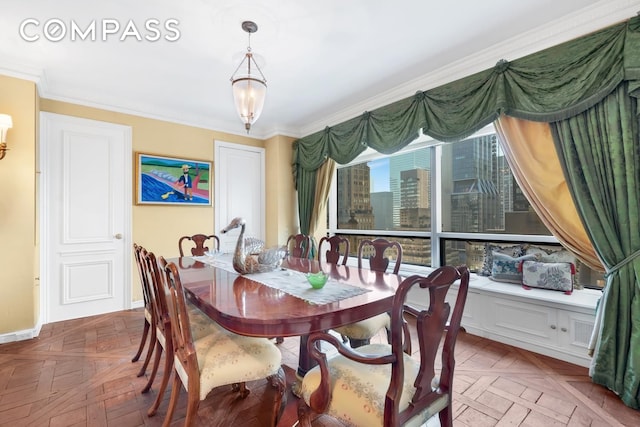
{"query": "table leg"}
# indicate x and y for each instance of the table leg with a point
(305, 363)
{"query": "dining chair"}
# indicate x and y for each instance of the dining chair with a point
(148, 321)
(299, 245)
(161, 337)
(220, 358)
(378, 252)
(160, 332)
(401, 389)
(199, 242)
(338, 251)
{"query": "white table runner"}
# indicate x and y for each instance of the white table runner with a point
(291, 282)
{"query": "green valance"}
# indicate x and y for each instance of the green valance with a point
(550, 85)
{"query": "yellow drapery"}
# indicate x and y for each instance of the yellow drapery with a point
(540, 177)
(323, 186)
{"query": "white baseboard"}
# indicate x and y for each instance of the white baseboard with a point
(25, 334)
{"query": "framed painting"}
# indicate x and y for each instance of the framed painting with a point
(172, 181)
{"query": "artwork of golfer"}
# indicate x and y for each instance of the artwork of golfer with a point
(186, 182)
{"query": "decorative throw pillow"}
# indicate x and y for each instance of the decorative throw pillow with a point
(508, 269)
(555, 254)
(557, 276)
(507, 249)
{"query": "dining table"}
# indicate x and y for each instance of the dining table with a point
(281, 303)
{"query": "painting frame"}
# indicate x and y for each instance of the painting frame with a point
(160, 180)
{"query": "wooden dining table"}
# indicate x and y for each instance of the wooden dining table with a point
(248, 307)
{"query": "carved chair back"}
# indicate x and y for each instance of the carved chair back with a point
(378, 252)
(299, 245)
(338, 251)
(199, 242)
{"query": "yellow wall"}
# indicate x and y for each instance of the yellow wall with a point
(151, 225)
(280, 194)
(18, 98)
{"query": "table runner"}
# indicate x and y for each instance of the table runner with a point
(292, 282)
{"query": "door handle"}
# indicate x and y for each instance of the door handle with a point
(118, 236)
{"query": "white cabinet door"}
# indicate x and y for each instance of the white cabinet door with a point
(575, 331)
(471, 319)
(522, 320)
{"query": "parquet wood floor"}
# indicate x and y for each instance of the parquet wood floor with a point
(79, 373)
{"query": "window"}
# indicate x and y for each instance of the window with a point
(479, 192)
(442, 202)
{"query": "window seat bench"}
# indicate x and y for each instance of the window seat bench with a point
(539, 320)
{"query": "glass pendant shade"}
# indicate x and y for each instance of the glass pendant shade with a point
(249, 93)
(250, 87)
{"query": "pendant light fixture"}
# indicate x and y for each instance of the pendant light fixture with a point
(249, 87)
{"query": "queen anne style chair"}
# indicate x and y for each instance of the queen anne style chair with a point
(220, 358)
(360, 333)
(148, 321)
(299, 245)
(382, 384)
(199, 242)
(161, 326)
(338, 252)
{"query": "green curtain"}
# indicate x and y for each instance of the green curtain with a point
(599, 151)
(552, 85)
(306, 195)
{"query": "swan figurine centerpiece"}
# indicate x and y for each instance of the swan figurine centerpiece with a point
(250, 255)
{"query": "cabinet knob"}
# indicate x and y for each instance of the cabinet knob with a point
(563, 329)
(553, 326)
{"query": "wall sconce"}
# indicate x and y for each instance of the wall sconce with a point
(5, 124)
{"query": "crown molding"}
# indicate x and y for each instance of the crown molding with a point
(24, 72)
(218, 126)
(579, 23)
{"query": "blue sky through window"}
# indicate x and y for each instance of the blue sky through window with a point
(379, 170)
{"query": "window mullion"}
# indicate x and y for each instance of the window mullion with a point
(436, 204)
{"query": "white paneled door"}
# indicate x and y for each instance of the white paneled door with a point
(86, 186)
(239, 190)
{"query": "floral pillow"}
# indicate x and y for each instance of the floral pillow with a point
(508, 269)
(506, 249)
(557, 276)
(555, 254)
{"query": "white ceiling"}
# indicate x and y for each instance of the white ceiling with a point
(325, 61)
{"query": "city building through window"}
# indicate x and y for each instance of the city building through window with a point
(442, 201)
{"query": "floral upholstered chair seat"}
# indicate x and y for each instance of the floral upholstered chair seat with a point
(367, 328)
(358, 390)
(227, 358)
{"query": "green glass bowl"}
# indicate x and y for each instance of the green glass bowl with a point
(317, 280)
